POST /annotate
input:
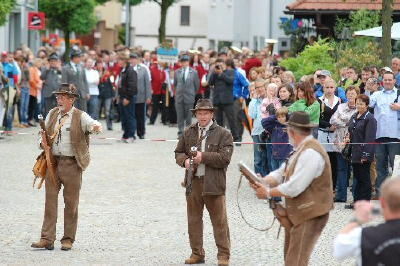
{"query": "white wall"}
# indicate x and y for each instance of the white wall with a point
(145, 19)
(221, 20)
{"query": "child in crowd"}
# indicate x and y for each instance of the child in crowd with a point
(275, 125)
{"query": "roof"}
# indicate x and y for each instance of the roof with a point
(330, 5)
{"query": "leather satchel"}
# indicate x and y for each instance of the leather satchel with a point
(281, 214)
(40, 169)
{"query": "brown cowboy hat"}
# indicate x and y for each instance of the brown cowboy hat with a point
(67, 89)
(300, 119)
(203, 104)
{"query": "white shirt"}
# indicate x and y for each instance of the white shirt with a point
(62, 145)
(93, 78)
(185, 73)
(348, 245)
(201, 169)
(310, 165)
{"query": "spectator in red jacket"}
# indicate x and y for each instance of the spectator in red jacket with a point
(158, 79)
(196, 64)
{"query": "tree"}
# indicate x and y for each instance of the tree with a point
(5, 8)
(69, 16)
(164, 5)
(387, 22)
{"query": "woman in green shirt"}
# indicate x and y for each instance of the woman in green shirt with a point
(306, 102)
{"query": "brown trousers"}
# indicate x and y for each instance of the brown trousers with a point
(69, 174)
(216, 207)
(300, 240)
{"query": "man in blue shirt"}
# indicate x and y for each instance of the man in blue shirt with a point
(240, 95)
(396, 70)
(386, 112)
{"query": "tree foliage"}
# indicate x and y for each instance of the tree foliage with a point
(69, 16)
(360, 20)
(359, 56)
(316, 56)
(5, 8)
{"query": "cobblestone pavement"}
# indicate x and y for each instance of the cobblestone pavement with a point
(132, 209)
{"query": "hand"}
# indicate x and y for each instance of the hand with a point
(395, 106)
(97, 128)
(261, 191)
(187, 163)
(198, 158)
(125, 102)
(148, 101)
(363, 211)
(363, 160)
(332, 128)
(88, 97)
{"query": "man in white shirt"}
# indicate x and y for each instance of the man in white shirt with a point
(373, 245)
(305, 183)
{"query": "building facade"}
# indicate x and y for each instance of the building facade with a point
(15, 32)
(246, 23)
(186, 24)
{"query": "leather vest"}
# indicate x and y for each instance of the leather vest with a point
(79, 139)
(317, 198)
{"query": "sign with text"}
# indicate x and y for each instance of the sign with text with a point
(169, 56)
(36, 21)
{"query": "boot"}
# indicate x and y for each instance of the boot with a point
(194, 260)
(43, 244)
(66, 245)
(223, 262)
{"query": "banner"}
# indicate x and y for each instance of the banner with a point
(169, 56)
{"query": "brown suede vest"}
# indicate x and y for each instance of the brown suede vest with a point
(79, 140)
(317, 198)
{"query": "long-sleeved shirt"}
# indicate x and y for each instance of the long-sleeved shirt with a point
(348, 245)
(310, 165)
(388, 125)
(255, 113)
(62, 145)
(93, 78)
(240, 86)
(313, 110)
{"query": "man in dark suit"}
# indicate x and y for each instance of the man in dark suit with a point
(186, 83)
(73, 73)
(51, 82)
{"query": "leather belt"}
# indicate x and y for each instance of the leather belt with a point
(62, 157)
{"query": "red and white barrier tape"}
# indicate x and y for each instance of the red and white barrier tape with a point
(242, 143)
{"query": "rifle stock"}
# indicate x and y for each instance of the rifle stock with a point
(191, 171)
(50, 161)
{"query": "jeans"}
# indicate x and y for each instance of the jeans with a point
(128, 118)
(269, 155)
(24, 105)
(341, 182)
(107, 111)
(10, 117)
(385, 154)
(93, 107)
(363, 188)
(260, 157)
(276, 163)
(140, 111)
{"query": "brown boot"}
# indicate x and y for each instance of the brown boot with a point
(223, 262)
(194, 260)
(43, 244)
(66, 245)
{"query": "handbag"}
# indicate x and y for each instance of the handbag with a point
(40, 169)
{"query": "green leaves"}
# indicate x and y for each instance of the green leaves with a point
(5, 8)
(70, 15)
(317, 56)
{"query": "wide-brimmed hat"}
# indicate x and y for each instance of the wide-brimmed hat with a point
(67, 89)
(300, 119)
(203, 104)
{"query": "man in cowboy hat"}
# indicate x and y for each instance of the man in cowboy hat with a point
(305, 183)
(69, 129)
(215, 147)
(73, 73)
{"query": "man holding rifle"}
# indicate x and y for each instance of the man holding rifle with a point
(206, 186)
(67, 129)
(305, 183)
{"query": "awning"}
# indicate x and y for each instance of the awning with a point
(377, 32)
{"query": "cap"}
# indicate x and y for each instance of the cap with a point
(4, 53)
(75, 53)
(325, 73)
(53, 56)
(133, 55)
(387, 69)
(185, 57)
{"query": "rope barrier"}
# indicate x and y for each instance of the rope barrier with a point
(236, 142)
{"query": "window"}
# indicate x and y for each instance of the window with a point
(185, 15)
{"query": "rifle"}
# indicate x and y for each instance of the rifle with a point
(47, 156)
(191, 171)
